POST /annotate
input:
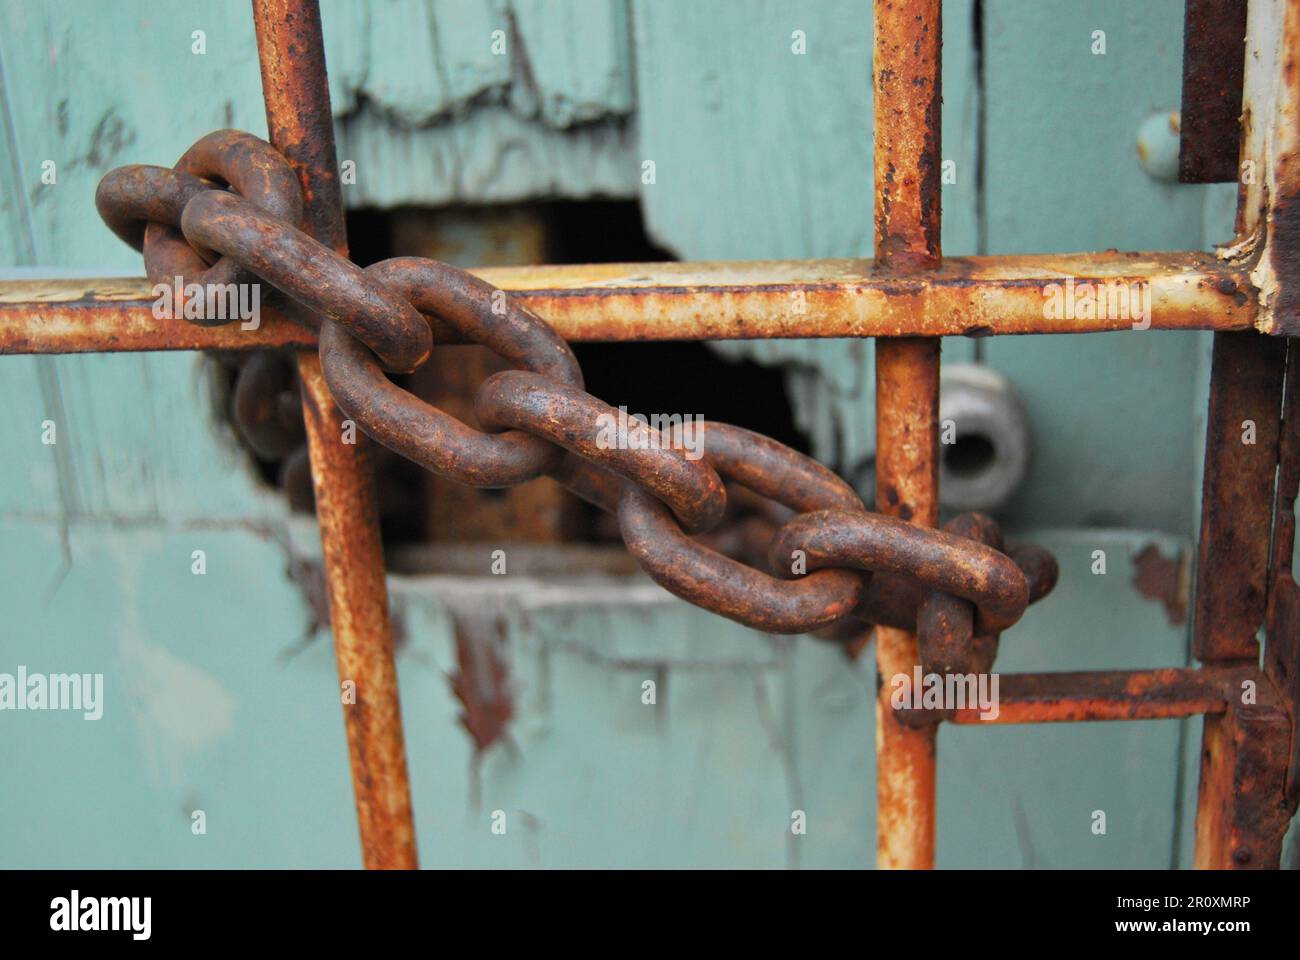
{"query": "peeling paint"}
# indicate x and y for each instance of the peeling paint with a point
(1164, 580)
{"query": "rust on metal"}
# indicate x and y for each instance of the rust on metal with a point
(1248, 787)
(421, 432)
(299, 121)
(704, 576)
(292, 55)
(1242, 813)
(959, 586)
(323, 281)
(294, 478)
(965, 296)
(1214, 62)
(119, 316)
(1268, 211)
(937, 559)
(1282, 621)
(1038, 566)
(572, 418)
(1241, 457)
(265, 405)
(1105, 695)
(129, 199)
(359, 620)
(947, 634)
(143, 205)
(906, 73)
(249, 165)
(972, 296)
(908, 99)
(731, 589)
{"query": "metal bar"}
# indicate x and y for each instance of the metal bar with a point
(1243, 807)
(1241, 451)
(1214, 61)
(1107, 695)
(1241, 815)
(1268, 209)
(1282, 621)
(292, 55)
(974, 296)
(906, 75)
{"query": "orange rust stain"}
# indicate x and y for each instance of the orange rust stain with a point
(1163, 579)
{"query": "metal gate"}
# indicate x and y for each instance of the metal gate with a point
(935, 599)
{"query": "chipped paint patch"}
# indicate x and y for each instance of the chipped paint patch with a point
(1164, 580)
(179, 708)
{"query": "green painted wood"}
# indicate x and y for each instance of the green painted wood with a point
(438, 117)
(543, 117)
(1063, 174)
(200, 712)
(493, 155)
(213, 702)
(67, 101)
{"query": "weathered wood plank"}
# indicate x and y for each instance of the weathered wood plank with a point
(213, 693)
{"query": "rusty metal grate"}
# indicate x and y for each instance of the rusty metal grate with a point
(908, 297)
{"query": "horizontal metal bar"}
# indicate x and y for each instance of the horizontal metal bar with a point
(1109, 695)
(973, 296)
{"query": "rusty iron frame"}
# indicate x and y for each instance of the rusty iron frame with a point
(909, 296)
(291, 50)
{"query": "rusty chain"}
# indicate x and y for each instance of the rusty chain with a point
(230, 212)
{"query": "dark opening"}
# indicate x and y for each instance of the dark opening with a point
(664, 377)
(970, 455)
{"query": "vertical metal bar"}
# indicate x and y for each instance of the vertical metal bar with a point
(1282, 621)
(298, 115)
(1209, 134)
(1241, 454)
(1241, 812)
(905, 72)
(1243, 804)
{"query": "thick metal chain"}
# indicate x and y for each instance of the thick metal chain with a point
(229, 212)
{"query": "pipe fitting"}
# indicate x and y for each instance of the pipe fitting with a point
(984, 438)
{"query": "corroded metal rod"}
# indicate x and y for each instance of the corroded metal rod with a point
(1161, 694)
(905, 71)
(298, 114)
(974, 296)
(1248, 754)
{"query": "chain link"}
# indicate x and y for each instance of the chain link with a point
(229, 212)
